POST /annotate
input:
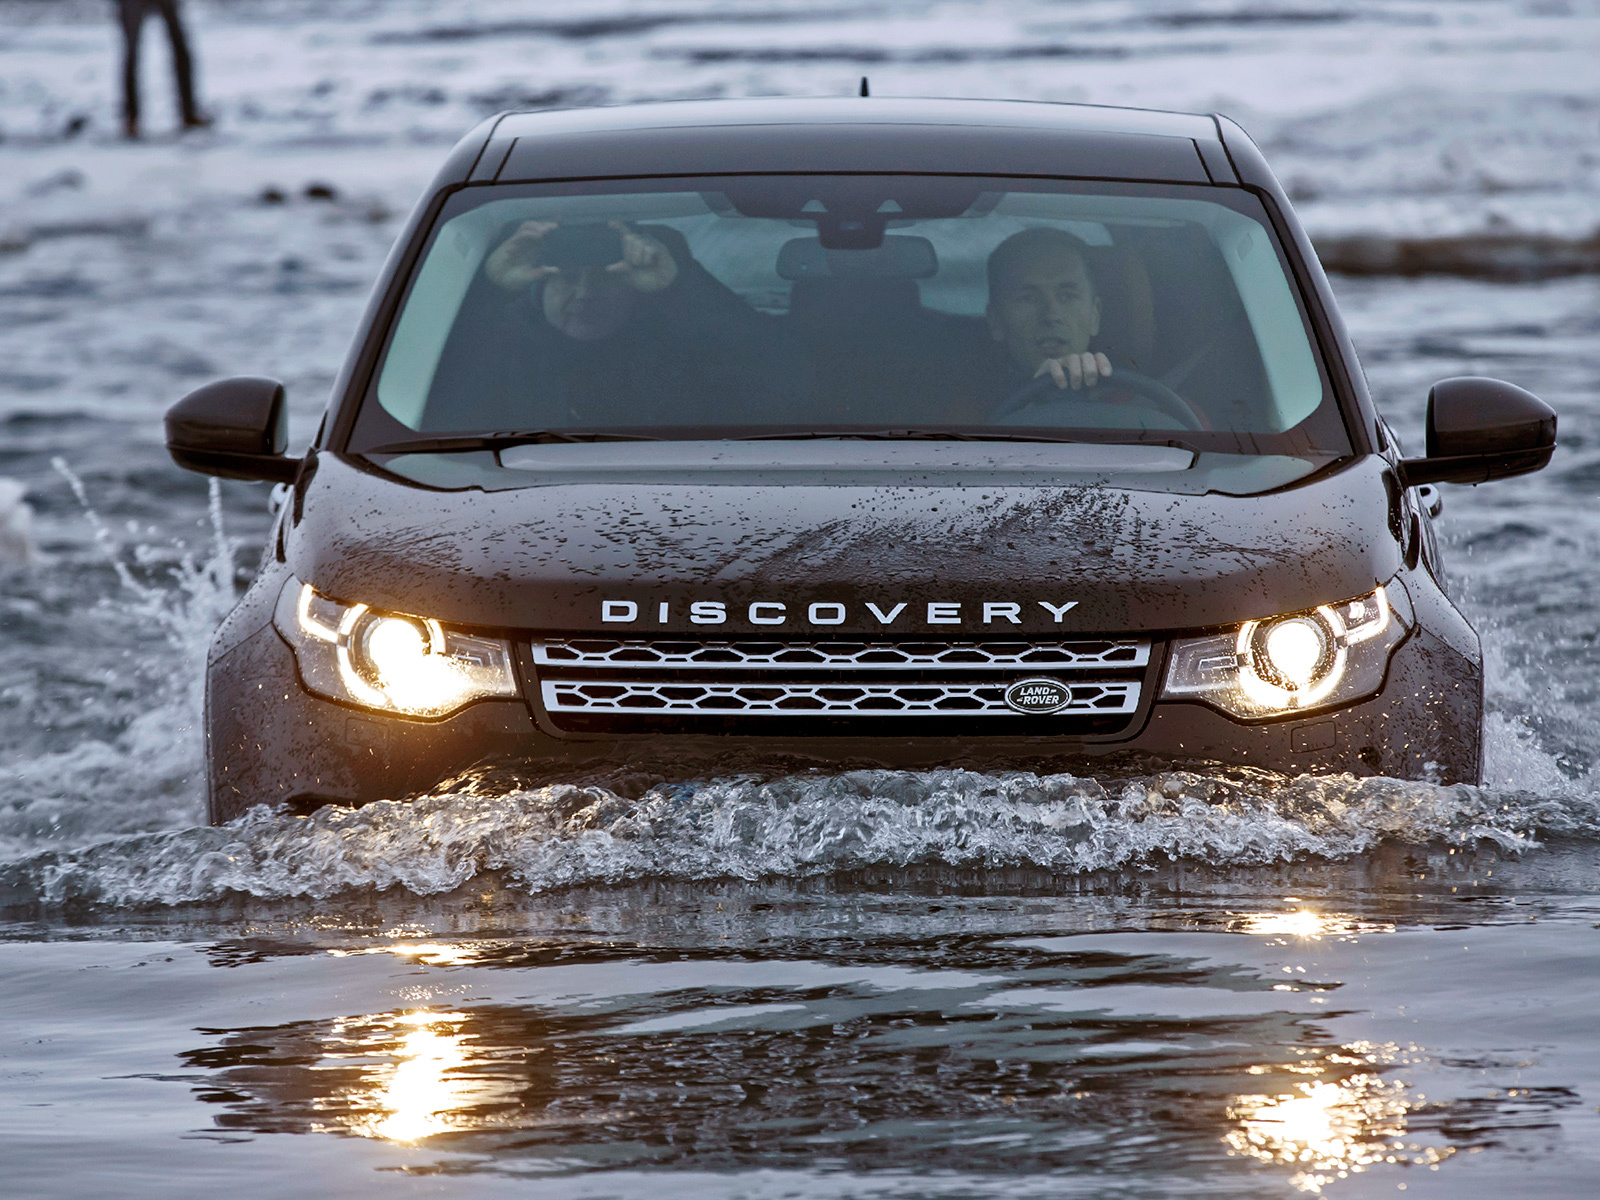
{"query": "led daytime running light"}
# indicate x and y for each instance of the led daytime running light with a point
(353, 679)
(307, 620)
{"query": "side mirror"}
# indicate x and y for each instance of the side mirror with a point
(235, 428)
(1481, 429)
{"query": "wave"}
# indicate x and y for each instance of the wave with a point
(589, 28)
(1508, 257)
(795, 827)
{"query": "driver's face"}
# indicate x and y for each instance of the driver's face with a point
(1045, 308)
(588, 304)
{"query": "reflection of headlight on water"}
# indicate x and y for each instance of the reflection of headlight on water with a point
(389, 661)
(1327, 1130)
(430, 1080)
(1290, 664)
(420, 1096)
(1302, 923)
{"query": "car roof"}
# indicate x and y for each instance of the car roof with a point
(1000, 137)
(835, 110)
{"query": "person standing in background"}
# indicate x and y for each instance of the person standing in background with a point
(132, 14)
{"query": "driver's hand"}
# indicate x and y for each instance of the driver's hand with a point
(515, 262)
(1076, 370)
(646, 265)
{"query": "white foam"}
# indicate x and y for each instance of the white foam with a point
(16, 524)
(795, 827)
(147, 776)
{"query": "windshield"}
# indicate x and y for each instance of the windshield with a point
(853, 306)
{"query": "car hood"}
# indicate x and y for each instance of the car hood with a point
(1144, 545)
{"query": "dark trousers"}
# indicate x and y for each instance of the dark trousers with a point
(132, 14)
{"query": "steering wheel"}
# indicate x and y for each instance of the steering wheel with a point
(1043, 388)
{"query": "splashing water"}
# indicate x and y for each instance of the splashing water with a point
(16, 524)
(797, 826)
(145, 776)
(204, 592)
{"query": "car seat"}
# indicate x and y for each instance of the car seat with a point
(1127, 309)
(878, 356)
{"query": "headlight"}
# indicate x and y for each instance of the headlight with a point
(389, 661)
(1290, 664)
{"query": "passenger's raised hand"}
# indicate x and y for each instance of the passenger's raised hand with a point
(1076, 370)
(646, 265)
(515, 262)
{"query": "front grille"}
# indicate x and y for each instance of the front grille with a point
(839, 687)
(828, 699)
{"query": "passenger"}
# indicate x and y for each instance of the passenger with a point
(588, 302)
(612, 326)
(1044, 309)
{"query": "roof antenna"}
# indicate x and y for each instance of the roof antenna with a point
(864, 90)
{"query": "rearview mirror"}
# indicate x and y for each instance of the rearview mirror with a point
(236, 428)
(1481, 429)
(899, 256)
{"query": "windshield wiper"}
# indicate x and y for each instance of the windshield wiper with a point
(498, 441)
(461, 443)
(904, 435)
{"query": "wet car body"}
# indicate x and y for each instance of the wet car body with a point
(697, 604)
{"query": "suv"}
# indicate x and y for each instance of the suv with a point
(762, 434)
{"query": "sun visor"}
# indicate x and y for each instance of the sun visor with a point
(877, 149)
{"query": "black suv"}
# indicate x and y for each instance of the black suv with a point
(700, 436)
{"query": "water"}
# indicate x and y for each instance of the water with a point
(877, 984)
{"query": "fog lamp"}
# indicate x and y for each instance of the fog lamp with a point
(404, 664)
(1290, 664)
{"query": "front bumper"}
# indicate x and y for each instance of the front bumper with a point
(272, 742)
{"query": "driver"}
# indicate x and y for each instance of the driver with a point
(610, 325)
(1044, 310)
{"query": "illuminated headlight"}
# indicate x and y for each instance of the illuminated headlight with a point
(1290, 664)
(401, 664)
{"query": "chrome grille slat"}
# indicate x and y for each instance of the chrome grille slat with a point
(745, 654)
(843, 698)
